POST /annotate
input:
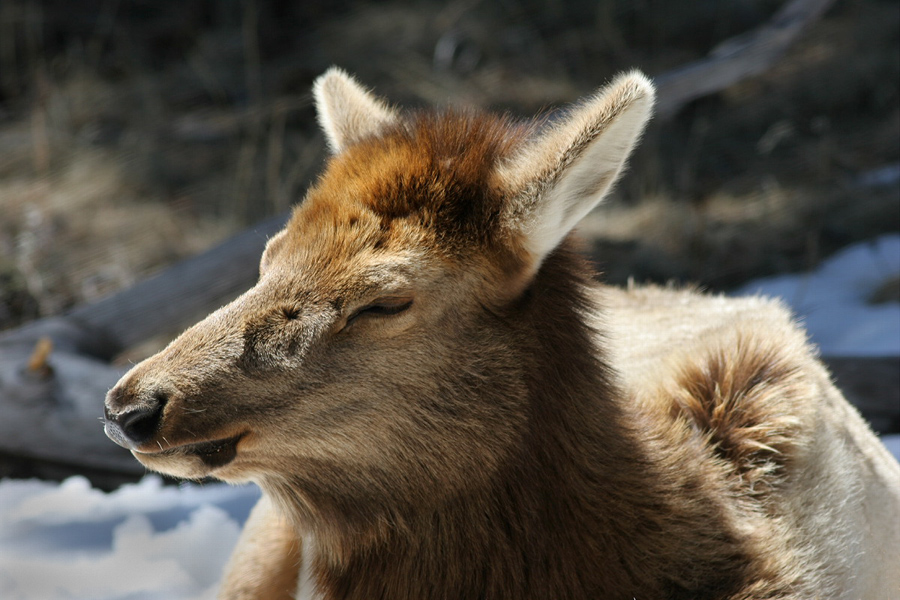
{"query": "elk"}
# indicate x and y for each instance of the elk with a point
(439, 401)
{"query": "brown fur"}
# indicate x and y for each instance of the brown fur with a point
(498, 426)
(750, 404)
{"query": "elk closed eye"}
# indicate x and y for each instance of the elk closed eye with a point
(382, 308)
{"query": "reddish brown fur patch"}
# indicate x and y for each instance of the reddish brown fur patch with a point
(434, 171)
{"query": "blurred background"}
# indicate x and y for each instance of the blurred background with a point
(134, 133)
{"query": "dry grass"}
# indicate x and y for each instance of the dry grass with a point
(81, 231)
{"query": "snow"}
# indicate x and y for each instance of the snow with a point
(831, 300)
(147, 541)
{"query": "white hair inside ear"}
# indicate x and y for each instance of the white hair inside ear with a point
(347, 111)
(567, 169)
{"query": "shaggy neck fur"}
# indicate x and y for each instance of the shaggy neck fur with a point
(581, 485)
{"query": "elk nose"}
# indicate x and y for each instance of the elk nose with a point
(134, 426)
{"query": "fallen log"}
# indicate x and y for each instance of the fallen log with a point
(54, 372)
(50, 411)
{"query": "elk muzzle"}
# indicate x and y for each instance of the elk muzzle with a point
(137, 421)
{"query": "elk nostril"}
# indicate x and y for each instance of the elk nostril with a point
(140, 424)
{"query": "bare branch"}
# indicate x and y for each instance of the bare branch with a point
(737, 58)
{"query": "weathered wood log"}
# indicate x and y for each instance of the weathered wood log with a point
(52, 412)
(50, 409)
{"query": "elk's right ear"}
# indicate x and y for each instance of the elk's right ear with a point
(347, 111)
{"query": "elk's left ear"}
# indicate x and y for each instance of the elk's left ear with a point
(561, 174)
(348, 112)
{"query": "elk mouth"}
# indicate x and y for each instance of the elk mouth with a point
(214, 453)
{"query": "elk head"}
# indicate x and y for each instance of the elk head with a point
(379, 361)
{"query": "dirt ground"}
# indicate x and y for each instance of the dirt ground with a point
(137, 133)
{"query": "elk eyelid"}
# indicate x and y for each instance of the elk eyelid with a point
(380, 309)
(383, 308)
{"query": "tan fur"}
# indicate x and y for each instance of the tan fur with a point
(348, 113)
(269, 563)
(439, 402)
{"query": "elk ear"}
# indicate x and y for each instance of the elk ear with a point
(347, 111)
(562, 173)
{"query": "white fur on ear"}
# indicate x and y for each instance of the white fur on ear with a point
(559, 176)
(347, 111)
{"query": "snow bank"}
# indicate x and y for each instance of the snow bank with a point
(69, 541)
(832, 301)
(65, 541)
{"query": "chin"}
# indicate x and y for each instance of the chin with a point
(218, 459)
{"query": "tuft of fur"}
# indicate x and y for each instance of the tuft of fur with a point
(751, 404)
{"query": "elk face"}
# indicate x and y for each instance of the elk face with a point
(377, 358)
(352, 352)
